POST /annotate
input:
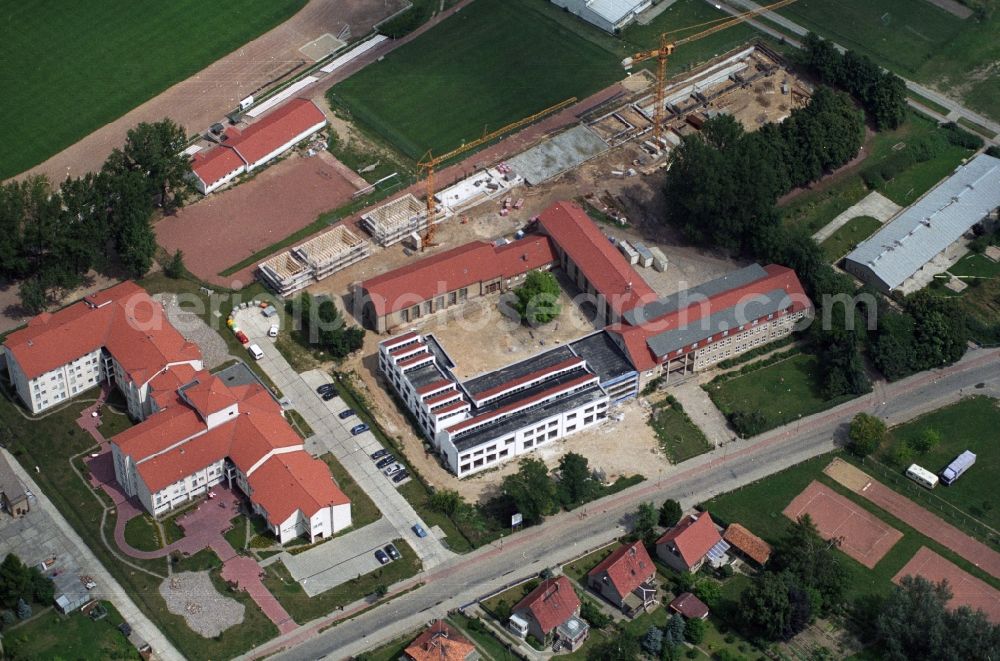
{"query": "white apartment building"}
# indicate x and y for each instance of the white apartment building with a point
(119, 335)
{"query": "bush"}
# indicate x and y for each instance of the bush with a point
(694, 631)
(748, 423)
(593, 614)
(407, 22)
(958, 136)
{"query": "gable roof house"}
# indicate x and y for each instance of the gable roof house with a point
(749, 545)
(550, 613)
(686, 546)
(626, 578)
(440, 642)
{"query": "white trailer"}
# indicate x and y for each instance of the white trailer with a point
(922, 476)
(957, 467)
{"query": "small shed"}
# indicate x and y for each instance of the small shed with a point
(645, 255)
(689, 606)
(630, 253)
(660, 262)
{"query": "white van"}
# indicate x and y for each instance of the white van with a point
(922, 476)
(255, 352)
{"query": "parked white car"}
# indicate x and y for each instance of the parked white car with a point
(273, 331)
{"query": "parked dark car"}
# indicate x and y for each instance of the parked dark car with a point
(326, 387)
(385, 461)
(382, 558)
(392, 551)
(359, 429)
(400, 476)
(328, 395)
(378, 454)
(419, 530)
(346, 413)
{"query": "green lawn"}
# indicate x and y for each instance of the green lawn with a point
(237, 535)
(917, 40)
(54, 636)
(299, 423)
(759, 505)
(811, 209)
(577, 570)
(141, 533)
(492, 63)
(496, 647)
(976, 266)
(970, 424)
(70, 69)
(303, 608)
(363, 510)
(783, 392)
(506, 600)
(391, 651)
(680, 439)
(845, 239)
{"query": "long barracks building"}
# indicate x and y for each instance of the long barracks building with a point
(491, 418)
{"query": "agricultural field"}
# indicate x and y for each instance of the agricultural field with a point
(488, 65)
(71, 68)
(917, 40)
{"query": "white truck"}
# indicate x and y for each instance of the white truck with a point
(957, 467)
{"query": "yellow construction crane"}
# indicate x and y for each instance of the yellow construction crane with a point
(430, 162)
(667, 46)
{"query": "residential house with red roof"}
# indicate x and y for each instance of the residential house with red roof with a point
(440, 642)
(450, 279)
(264, 140)
(551, 613)
(120, 336)
(686, 546)
(748, 545)
(206, 433)
(627, 579)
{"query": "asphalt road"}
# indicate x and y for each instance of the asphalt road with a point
(463, 579)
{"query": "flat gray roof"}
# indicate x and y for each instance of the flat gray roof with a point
(706, 290)
(933, 223)
(603, 356)
(557, 154)
(540, 361)
(757, 307)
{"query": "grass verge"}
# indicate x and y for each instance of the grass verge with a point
(680, 439)
(846, 238)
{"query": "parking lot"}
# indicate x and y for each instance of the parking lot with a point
(333, 434)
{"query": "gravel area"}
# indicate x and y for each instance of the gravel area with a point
(192, 596)
(192, 327)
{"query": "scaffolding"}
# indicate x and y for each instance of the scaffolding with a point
(313, 261)
(394, 221)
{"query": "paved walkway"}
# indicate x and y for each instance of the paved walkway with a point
(142, 625)
(874, 204)
(699, 407)
(247, 574)
(919, 518)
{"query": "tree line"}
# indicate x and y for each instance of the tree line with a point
(320, 324)
(19, 586)
(51, 237)
(882, 93)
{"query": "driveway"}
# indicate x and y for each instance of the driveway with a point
(333, 434)
(874, 204)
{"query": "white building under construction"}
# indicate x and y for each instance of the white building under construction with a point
(313, 260)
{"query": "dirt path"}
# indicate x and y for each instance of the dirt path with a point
(206, 97)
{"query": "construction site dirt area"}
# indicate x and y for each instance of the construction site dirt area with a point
(226, 227)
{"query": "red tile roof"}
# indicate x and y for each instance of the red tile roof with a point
(634, 338)
(276, 128)
(551, 603)
(693, 537)
(175, 442)
(258, 140)
(604, 267)
(454, 269)
(690, 606)
(124, 319)
(627, 567)
(209, 395)
(750, 544)
(439, 642)
(212, 165)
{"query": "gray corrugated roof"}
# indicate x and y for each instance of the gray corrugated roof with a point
(755, 308)
(940, 218)
(668, 304)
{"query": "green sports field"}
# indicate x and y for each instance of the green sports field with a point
(490, 64)
(68, 68)
(916, 39)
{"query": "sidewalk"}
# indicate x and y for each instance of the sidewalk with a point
(145, 628)
(874, 204)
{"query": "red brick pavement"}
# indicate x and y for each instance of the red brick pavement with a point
(246, 573)
(933, 526)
